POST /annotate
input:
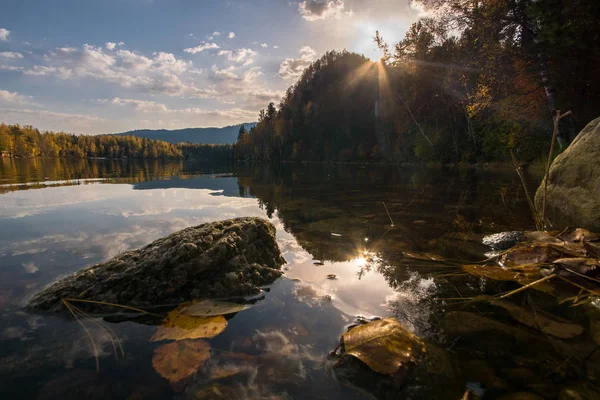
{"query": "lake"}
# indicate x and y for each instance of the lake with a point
(391, 235)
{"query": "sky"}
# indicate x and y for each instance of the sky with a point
(90, 67)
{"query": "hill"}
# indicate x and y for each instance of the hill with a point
(225, 135)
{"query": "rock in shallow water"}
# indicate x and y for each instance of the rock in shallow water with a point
(197, 262)
(573, 193)
(504, 240)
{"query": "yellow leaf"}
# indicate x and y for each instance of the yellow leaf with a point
(385, 345)
(178, 360)
(177, 326)
(211, 308)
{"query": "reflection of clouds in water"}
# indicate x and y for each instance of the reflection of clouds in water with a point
(30, 268)
(291, 250)
(409, 304)
(29, 203)
(352, 294)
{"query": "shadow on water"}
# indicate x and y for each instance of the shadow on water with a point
(331, 220)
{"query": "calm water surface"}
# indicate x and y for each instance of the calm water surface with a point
(57, 216)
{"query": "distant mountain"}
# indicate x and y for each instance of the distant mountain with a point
(227, 134)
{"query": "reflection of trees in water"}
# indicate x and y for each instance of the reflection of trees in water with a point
(431, 207)
(19, 171)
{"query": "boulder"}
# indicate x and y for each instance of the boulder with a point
(218, 259)
(573, 194)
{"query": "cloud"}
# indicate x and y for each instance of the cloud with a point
(292, 68)
(4, 34)
(10, 68)
(110, 45)
(14, 98)
(216, 33)
(313, 10)
(51, 120)
(138, 105)
(275, 47)
(10, 54)
(161, 73)
(239, 55)
(264, 45)
(201, 48)
(231, 35)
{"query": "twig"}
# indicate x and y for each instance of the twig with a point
(525, 287)
(66, 303)
(539, 226)
(388, 213)
(113, 305)
(107, 328)
(559, 116)
(579, 286)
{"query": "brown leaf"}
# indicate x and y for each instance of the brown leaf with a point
(385, 345)
(522, 274)
(211, 308)
(541, 320)
(579, 234)
(592, 249)
(538, 253)
(580, 264)
(424, 256)
(178, 360)
(177, 326)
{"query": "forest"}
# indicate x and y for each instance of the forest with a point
(466, 84)
(26, 141)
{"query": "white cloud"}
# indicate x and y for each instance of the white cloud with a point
(10, 54)
(110, 45)
(10, 68)
(231, 35)
(161, 73)
(239, 55)
(138, 105)
(4, 34)
(275, 47)
(12, 98)
(51, 120)
(264, 45)
(313, 10)
(201, 48)
(216, 33)
(159, 112)
(121, 44)
(292, 68)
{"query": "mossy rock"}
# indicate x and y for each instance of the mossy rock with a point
(214, 260)
(573, 193)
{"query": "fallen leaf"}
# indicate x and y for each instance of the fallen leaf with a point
(459, 323)
(541, 320)
(580, 264)
(211, 308)
(385, 345)
(579, 234)
(424, 256)
(592, 249)
(536, 253)
(178, 360)
(177, 326)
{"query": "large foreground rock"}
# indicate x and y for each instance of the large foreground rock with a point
(218, 259)
(573, 196)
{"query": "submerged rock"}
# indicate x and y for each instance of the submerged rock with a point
(217, 259)
(504, 240)
(573, 194)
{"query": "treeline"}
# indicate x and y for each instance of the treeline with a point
(476, 79)
(26, 141)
